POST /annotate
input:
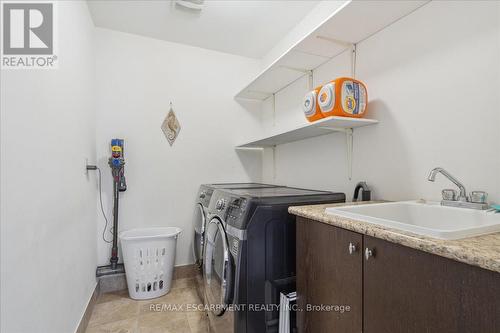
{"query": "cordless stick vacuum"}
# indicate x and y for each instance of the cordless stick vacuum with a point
(116, 163)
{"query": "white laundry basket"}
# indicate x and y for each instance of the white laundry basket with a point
(149, 255)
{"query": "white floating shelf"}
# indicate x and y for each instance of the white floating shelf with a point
(320, 127)
(351, 23)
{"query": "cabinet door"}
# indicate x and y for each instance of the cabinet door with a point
(328, 275)
(407, 290)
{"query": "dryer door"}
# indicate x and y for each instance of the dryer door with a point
(199, 231)
(218, 267)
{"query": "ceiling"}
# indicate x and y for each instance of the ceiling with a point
(244, 27)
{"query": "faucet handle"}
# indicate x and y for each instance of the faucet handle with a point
(478, 196)
(449, 195)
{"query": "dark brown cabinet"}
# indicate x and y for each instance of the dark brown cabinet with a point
(407, 290)
(328, 275)
(396, 289)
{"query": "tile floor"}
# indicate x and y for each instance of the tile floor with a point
(117, 313)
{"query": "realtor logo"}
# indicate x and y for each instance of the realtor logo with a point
(28, 35)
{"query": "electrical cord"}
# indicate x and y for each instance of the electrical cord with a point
(102, 210)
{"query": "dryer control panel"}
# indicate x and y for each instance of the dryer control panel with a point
(231, 209)
(236, 209)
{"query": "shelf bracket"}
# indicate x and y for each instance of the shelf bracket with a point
(349, 145)
(353, 50)
(265, 93)
(274, 110)
(308, 72)
(335, 41)
(301, 70)
(348, 45)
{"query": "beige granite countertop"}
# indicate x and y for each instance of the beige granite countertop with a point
(482, 251)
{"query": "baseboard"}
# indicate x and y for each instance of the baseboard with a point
(82, 326)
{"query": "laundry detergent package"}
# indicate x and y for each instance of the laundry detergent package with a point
(310, 105)
(344, 97)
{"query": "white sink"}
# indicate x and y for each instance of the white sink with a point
(424, 218)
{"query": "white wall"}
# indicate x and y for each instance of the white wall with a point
(322, 11)
(432, 81)
(137, 77)
(48, 212)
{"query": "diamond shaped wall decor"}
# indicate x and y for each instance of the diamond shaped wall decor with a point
(171, 126)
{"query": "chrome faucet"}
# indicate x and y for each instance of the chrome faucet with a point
(476, 201)
(432, 177)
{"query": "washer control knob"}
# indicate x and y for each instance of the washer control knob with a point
(220, 204)
(203, 195)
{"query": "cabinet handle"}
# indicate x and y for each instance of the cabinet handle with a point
(352, 248)
(368, 253)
